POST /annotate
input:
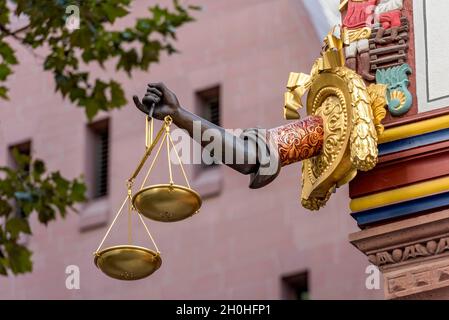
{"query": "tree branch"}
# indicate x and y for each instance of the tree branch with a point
(12, 34)
(5, 30)
(21, 29)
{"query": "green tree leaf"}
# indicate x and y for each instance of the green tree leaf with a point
(4, 92)
(46, 193)
(15, 226)
(19, 258)
(5, 71)
(134, 47)
(67, 56)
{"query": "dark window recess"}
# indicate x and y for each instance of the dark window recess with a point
(296, 287)
(99, 154)
(23, 148)
(209, 108)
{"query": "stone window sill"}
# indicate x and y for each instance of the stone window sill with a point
(94, 214)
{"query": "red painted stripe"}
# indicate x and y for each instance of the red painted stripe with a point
(402, 169)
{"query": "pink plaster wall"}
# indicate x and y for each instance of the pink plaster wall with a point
(243, 241)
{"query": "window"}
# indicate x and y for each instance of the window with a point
(210, 104)
(296, 287)
(95, 213)
(208, 179)
(209, 109)
(98, 159)
(23, 148)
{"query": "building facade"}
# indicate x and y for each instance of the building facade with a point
(244, 244)
(401, 205)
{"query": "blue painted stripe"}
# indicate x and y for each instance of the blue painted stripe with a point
(413, 142)
(402, 209)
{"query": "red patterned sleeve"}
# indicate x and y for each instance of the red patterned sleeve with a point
(284, 145)
(299, 140)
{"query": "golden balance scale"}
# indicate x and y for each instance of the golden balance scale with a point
(162, 202)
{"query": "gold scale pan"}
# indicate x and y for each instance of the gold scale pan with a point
(162, 202)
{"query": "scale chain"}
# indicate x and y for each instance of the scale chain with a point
(153, 162)
(146, 155)
(130, 239)
(168, 154)
(112, 224)
(179, 160)
(148, 232)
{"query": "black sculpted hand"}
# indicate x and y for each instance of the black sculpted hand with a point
(158, 102)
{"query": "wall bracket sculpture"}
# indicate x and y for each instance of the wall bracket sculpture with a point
(352, 115)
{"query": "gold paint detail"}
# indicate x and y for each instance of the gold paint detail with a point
(363, 145)
(332, 54)
(398, 95)
(352, 115)
(350, 36)
(343, 4)
(335, 119)
(315, 203)
(298, 84)
(378, 93)
(320, 175)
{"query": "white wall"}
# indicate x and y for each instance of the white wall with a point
(432, 53)
(324, 14)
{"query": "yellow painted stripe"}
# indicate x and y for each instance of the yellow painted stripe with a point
(415, 129)
(414, 191)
